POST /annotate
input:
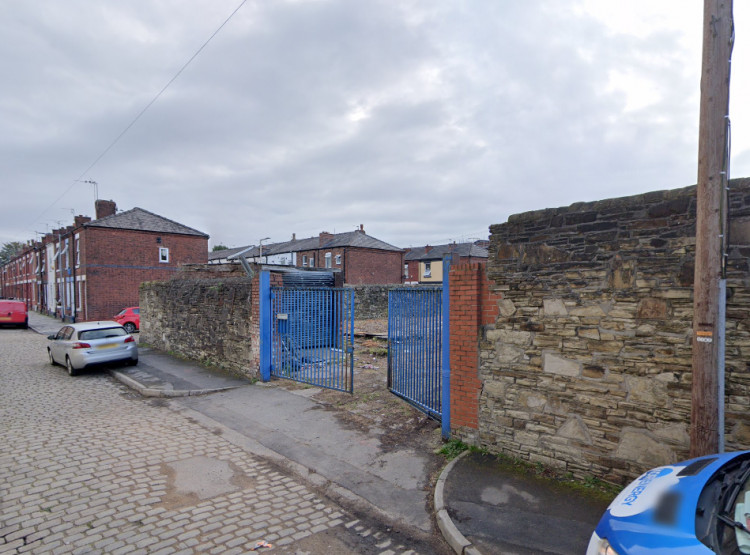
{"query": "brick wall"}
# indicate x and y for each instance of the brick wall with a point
(587, 365)
(472, 305)
(361, 266)
(115, 262)
(369, 266)
(413, 270)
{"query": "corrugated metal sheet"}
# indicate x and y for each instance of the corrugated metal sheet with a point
(302, 278)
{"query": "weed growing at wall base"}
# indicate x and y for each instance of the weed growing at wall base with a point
(590, 485)
(452, 449)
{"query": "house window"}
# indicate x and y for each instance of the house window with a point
(328, 260)
(163, 254)
(406, 271)
(312, 262)
(78, 250)
(428, 269)
(338, 260)
(304, 260)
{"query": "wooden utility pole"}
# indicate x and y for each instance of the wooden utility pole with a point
(712, 180)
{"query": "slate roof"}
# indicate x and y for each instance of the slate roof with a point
(349, 239)
(224, 253)
(139, 219)
(356, 239)
(436, 252)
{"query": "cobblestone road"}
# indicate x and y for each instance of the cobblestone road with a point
(87, 466)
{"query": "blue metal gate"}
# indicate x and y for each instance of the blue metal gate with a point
(312, 336)
(415, 347)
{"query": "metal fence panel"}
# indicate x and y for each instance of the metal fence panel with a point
(312, 336)
(415, 322)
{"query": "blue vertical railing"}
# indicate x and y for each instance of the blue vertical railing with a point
(415, 347)
(312, 332)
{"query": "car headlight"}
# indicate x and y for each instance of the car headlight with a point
(599, 546)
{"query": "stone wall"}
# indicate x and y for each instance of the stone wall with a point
(588, 364)
(210, 320)
(371, 301)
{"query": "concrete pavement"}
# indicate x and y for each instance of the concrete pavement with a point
(486, 506)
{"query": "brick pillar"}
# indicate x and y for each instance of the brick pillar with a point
(472, 305)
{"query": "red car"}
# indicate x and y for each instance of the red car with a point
(129, 318)
(14, 313)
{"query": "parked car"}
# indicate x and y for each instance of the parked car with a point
(77, 346)
(13, 313)
(129, 318)
(699, 506)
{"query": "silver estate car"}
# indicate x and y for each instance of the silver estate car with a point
(77, 346)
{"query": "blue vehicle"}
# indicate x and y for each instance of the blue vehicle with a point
(700, 506)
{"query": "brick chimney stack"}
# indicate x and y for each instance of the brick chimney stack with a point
(80, 220)
(362, 228)
(105, 208)
(325, 236)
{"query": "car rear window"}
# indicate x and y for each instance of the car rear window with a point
(101, 333)
(14, 306)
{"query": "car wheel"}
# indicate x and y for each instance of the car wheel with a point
(132, 362)
(129, 327)
(51, 359)
(69, 365)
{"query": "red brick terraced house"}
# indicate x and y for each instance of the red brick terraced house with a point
(361, 258)
(93, 269)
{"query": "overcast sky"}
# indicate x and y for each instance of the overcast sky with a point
(425, 120)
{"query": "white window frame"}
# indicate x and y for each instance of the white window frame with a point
(338, 260)
(428, 269)
(328, 260)
(163, 255)
(312, 262)
(304, 260)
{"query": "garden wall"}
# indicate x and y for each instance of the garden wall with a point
(371, 301)
(209, 320)
(587, 365)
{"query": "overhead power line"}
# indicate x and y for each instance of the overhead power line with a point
(143, 111)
